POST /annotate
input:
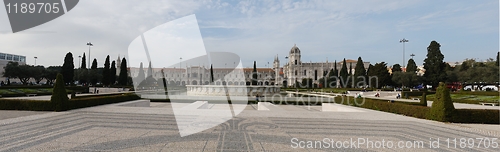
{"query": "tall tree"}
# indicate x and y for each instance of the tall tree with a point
(94, 64)
(59, 96)
(396, 68)
(211, 74)
(68, 68)
(84, 62)
(150, 70)
(344, 75)
(498, 53)
(123, 78)
(141, 76)
(93, 74)
(335, 70)
(106, 72)
(112, 73)
(379, 75)
(411, 66)
(434, 65)
(254, 73)
(360, 73)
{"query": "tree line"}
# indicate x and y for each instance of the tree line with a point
(106, 75)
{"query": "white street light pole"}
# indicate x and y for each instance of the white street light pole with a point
(90, 45)
(403, 41)
(79, 62)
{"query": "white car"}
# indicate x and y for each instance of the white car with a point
(492, 87)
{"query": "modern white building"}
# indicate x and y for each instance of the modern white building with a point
(6, 58)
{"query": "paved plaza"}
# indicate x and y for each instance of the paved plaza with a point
(132, 127)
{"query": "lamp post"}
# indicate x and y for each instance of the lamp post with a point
(412, 55)
(90, 45)
(35, 59)
(403, 41)
(287, 70)
(79, 57)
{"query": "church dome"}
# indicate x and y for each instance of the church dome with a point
(294, 49)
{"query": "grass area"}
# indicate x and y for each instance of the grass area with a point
(470, 99)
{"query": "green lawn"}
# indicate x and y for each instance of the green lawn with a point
(471, 99)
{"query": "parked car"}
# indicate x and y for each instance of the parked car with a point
(490, 88)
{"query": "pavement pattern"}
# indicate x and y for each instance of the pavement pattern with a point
(116, 127)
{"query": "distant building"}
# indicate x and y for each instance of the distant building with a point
(6, 58)
(296, 70)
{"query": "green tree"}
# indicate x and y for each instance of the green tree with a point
(335, 70)
(396, 68)
(442, 108)
(434, 65)
(50, 74)
(150, 70)
(360, 73)
(498, 53)
(112, 73)
(93, 74)
(379, 75)
(67, 69)
(94, 64)
(84, 62)
(37, 73)
(411, 66)
(408, 79)
(123, 77)
(344, 76)
(106, 72)
(306, 83)
(59, 98)
(141, 76)
(254, 73)
(211, 74)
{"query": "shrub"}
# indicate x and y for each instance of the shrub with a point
(423, 101)
(90, 101)
(59, 96)
(484, 116)
(442, 108)
(82, 102)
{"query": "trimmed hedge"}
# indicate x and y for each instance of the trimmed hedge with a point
(415, 93)
(100, 100)
(33, 105)
(38, 105)
(483, 93)
(482, 116)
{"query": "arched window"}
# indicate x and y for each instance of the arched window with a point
(295, 62)
(295, 72)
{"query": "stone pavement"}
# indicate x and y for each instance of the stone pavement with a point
(119, 127)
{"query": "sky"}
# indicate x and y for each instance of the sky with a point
(260, 30)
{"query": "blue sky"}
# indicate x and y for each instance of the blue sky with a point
(258, 30)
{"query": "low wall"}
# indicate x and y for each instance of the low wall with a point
(219, 90)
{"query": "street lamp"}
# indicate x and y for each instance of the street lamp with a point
(180, 63)
(412, 55)
(403, 41)
(79, 57)
(35, 60)
(90, 45)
